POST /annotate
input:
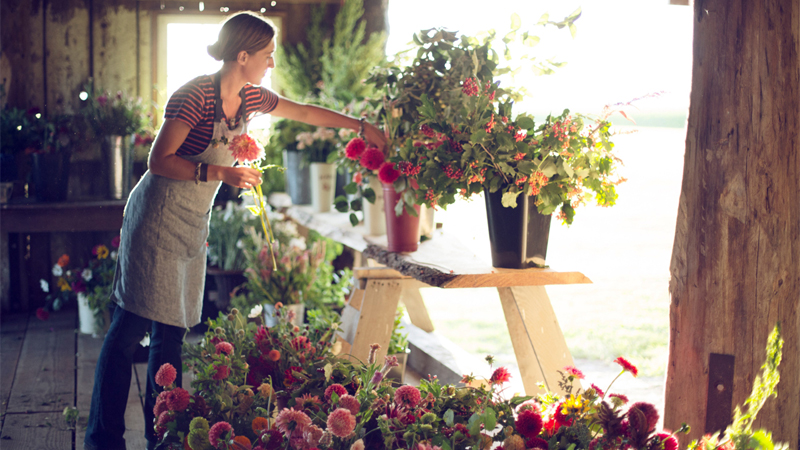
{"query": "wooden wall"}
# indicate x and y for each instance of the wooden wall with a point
(50, 49)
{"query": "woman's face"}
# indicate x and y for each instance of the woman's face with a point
(259, 62)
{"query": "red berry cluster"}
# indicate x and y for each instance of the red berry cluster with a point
(453, 173)
(408, 169)
(427, 131)
(470, 87)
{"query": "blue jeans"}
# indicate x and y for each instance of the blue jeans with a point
(112, 377)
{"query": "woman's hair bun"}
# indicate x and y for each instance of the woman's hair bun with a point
(213, 50)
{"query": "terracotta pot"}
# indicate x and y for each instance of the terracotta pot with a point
(402, 232)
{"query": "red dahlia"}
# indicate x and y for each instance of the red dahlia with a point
(500, 376)
(529, 424)
(355, 148)
(387, 173)
(627, 366)
(372, 158)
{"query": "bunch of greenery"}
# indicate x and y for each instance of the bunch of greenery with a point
(226, 234)
(113, 114)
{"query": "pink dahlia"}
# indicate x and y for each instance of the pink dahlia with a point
(372, 158)
(571, 371)
(224, 347)
(627, 366)
(221, 372)
(290, 420)
(337, 388)
(648, 412)
(599, 391)
(387, 173)
(312, 434)
(160, 407)
(216, 435)
(668, 440)
(341, 423)
(350, 403)
(407, 396)
(500, 376)
(355, 148)
(245, 149)
(166, 375)
(529, 423)
(178, 399)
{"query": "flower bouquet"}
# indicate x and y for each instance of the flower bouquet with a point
(113, 114)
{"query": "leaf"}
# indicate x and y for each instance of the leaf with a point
(369, 195)
(531, 41)
(516, 22)
(573, 30)
(526, 167)
(474, 424)
(489, 419)
(398, 208)
(411, 211)
(448, 417)
(351, 188)
(548, 168)
(328, 371)
(253, 210)
(510, 199)
(525, 122)
(544, 19)
(353, 222)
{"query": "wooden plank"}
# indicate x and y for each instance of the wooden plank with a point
(23, 52)
(42, 431)
(376, 319)
(536, 336)
(67, 54)
(68, 217)
(45, 378)
(115, 33)
(88, 352)
(12, 336)
(334, 225)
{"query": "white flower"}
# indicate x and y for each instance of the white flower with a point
(228, 211)
(344, 133)
(240, 244)
(298, 243)
(301, 146)
(145, 342)
(114, 255)
(69, 273)
(86, 274)
(256, 311)
(57, 271)
(45, 285)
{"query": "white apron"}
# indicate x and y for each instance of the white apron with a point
(161, 267)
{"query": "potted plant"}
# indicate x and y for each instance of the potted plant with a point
(115, 119)
(226, 259)
(398, 347)
(320, 148)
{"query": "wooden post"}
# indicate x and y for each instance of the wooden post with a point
(735, 267)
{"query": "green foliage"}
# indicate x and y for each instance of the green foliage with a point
(301, 68)
(398, 343)
(113, 114)
(226, 234)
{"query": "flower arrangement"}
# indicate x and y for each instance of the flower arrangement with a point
(226, 235)
(113, 114)
(283, 387)
(94, 280)
(303, 273)
(320, 145)
(453, 127)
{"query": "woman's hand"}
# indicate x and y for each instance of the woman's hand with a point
(375, 136)
(239, 176)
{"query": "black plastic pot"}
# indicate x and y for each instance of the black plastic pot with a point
(518, 235)
(51, 176)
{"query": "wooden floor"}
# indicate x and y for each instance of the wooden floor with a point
(46, 366)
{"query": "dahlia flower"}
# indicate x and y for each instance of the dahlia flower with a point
(289, 420)
(245, 149)
(372, 158)
(355, 148)
(341, 423)
(218, 432)
(407, 396)
(166, 375)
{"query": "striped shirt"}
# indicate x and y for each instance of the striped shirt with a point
(193, 104)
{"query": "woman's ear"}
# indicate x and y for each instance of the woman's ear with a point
(241, 58)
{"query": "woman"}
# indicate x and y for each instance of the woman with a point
(160, 274)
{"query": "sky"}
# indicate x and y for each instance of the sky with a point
(623, 49)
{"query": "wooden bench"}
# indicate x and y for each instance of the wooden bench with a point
(444, 262)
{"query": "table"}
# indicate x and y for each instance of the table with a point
(539, 344)
(32, 258)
